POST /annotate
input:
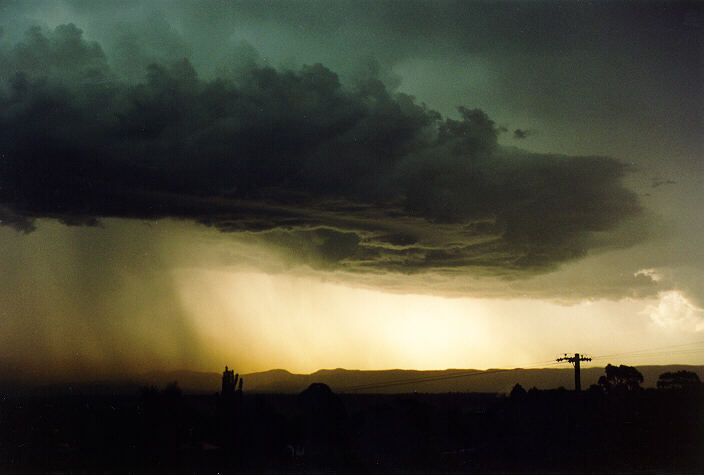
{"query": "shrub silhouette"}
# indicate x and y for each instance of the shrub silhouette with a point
(679, 380)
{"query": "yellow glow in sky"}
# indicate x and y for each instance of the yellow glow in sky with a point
(255, 321)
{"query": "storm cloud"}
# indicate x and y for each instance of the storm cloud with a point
(357, 176)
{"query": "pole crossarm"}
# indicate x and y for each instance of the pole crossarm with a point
(575, 360)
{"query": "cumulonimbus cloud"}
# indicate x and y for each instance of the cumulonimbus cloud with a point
(356, 176)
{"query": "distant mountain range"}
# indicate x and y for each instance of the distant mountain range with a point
(404, 381)
(355, 381)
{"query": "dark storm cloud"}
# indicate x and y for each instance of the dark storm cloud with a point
(352, 177)
(521, 134)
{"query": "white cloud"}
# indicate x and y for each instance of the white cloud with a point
(652, 273)
(674, 311)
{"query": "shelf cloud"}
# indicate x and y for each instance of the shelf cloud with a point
(354, 176)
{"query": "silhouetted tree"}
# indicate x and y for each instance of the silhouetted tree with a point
(678, 380)
(147, 394)
(229, 409)
(161, 419)
(621, 377)
(595, 389)
(172, 391)
(325, 421)
(518, 393)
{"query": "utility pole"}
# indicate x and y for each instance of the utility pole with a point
(575, 361)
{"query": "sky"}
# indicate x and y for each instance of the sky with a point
(368, 185)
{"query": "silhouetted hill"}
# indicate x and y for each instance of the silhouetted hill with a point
(459, 380)
(345, 380)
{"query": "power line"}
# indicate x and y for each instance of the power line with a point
(426, 379)
(634, 352)
(659, 354)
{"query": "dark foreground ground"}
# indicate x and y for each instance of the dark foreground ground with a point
(165, 430)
